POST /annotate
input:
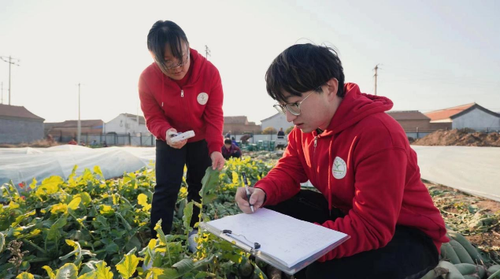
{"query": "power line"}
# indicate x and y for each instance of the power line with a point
(376, 74)
(11, 61)
(207, 52)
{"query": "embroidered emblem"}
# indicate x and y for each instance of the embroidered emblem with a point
(202, 98)
(339, 168)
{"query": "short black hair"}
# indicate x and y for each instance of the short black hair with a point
(228, 141)
(301, 68)
(162, 33)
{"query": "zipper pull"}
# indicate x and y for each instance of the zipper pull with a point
(182, 93)
(315, 141)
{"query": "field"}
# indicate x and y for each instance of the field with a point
(87, 227)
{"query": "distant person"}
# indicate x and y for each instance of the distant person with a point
(73, 142)
(228, 134)
(233, 140)
(359, 160)
(180, 75)
(281, 133)
(230, 149)
(94, 143)
(104, 144)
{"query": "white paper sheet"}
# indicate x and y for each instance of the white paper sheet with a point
(286, 238)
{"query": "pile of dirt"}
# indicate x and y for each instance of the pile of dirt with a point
(460, 137)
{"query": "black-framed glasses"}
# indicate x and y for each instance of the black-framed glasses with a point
(294, 108)
(170, 65)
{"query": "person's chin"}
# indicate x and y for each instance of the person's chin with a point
(177, 76)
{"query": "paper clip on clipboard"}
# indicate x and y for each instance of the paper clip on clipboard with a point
(235, 239)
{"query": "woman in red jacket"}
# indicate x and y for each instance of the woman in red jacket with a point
(360, 161)
(180, 91)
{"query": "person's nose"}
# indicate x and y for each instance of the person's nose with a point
(289, 116)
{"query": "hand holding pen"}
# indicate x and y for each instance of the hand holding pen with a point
(249, 199)
(245, 182)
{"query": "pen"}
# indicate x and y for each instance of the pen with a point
(247, 190)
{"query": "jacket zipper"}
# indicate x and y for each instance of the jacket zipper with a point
(182, 93)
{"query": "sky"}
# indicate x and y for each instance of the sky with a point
(430, 54)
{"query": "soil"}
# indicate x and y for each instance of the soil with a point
(487, 240)
(460, 137)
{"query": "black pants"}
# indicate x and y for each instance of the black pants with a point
(410, 253)
(169, 171)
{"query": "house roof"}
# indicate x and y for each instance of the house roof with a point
(407, 115)
(17, 111)
(447, 113)
(94, 123)
(235, 119)
(475, 106)
(134, 117)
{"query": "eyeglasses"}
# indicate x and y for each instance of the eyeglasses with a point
(294, 108)
(172, 65)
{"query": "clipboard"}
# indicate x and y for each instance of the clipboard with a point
(284, 242)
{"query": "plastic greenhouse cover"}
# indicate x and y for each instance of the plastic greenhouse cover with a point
(474, 170)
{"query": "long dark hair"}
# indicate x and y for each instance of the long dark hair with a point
(162, 33)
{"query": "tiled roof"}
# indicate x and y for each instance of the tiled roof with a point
(94, 123)
(447, 113)
(407, 115)
(17, 111)
(269, 117)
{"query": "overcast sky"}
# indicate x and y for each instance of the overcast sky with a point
(431, 54)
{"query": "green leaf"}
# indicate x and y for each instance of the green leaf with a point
(210, 183)
(184, 265)
(128, 265)
(2, 242)
(54, 229)
(67, 271)
(25, 275)
(188, 214)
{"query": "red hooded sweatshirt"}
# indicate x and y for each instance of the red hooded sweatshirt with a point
(364, 166)
(196, 106)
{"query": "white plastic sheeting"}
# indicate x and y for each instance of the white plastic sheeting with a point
(24, 164)
(474, 170)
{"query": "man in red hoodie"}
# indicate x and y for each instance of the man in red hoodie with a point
(180, 91)
(360, 161)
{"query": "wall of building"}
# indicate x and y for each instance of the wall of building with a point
(124, 125)
(412, 125)
(14, 131)
(478, 120)
(277, 121)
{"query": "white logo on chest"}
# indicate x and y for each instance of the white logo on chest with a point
(202, 98)
(339, 168)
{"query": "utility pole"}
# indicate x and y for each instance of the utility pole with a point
(207, 52)
(11, 61)
(376, 69)
(79, 123)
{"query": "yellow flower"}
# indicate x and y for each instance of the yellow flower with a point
(61, 207)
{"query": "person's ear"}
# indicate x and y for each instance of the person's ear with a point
(332, 88)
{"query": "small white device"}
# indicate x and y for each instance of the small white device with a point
(182, 136)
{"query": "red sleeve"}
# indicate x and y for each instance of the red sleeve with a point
(379, 187)
(156, 121)
(283, 181)
(214, 117)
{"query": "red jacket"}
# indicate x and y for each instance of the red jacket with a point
(197, 106)
(364, 166)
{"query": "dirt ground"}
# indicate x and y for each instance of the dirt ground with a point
(452, 202)
(460, 137)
